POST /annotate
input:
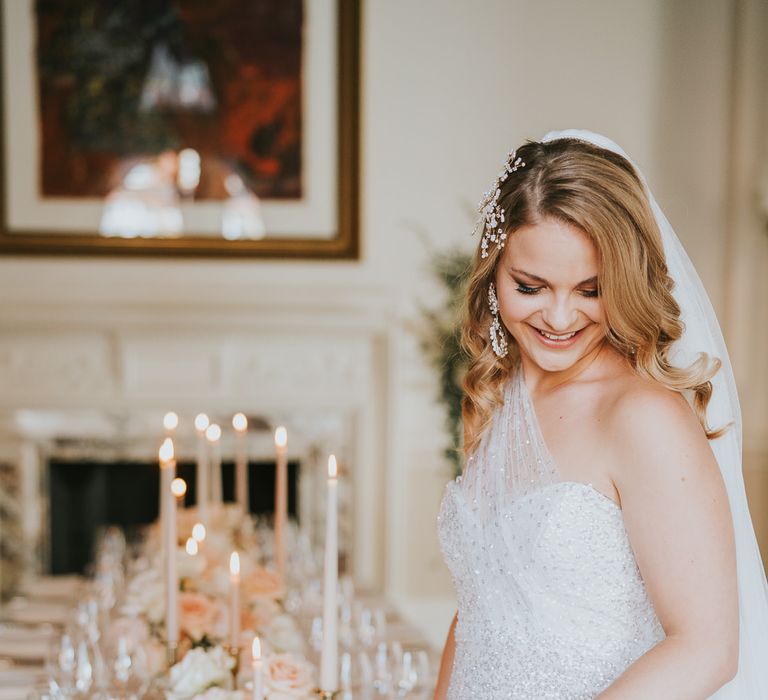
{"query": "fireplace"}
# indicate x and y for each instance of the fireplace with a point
(90, 382)
(87, 495)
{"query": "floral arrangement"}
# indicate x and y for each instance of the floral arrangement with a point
(203, 611)
(204, 673)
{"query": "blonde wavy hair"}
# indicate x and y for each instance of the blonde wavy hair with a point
(599, 192)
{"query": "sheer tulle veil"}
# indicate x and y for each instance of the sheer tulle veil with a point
(702, 334)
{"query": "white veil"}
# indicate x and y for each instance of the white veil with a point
(702, 333)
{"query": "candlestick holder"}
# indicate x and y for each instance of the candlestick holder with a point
(234, 653)
(171, 653)
(326, 694)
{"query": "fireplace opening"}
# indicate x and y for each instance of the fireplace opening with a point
(88, 495)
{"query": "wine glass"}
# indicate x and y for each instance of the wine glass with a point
(406, 676)
(60, 664)
(127, 670)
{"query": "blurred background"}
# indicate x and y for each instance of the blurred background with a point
(342, 335)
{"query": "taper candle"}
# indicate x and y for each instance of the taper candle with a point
(170, 423)
(329, 675)
(167, 471)
(258, 680)
(202, 469)
(281, 497)
(240, 424)
(179, 490)
(198, 532)
(234, 600)
(213, 435)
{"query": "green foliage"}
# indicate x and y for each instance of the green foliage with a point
(442, 343)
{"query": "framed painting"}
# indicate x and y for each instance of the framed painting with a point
(180, 127)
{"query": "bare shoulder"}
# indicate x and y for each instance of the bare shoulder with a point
(641, 407)
(655, 436)
(674, 507)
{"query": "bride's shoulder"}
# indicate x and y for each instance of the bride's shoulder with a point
(649, 424)
(640, 405)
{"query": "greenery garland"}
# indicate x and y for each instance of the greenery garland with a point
(442, 343)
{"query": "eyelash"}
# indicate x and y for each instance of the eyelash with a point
(525, 289)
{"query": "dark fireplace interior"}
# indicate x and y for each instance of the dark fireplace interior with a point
(86, 496)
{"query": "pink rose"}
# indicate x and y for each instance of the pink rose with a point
(260, 614)
(263, 583)
(156, 656)
(197, 614)
(289, 675)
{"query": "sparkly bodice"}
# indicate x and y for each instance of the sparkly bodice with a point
(550, 599)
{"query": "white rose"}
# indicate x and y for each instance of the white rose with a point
(284, 634)
(198, 670)
(145, 595)
(189, 566)
(221, 694)
(218, 583)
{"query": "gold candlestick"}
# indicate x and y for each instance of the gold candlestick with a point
(234, 652)
(171, 653)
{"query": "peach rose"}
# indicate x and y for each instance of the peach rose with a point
(155, 652)
(261, 613)
(289, 676)
(263, 583)
(197, 614)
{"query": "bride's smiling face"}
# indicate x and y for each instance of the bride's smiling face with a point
(546, 282)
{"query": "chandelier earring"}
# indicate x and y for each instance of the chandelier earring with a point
(498, 339)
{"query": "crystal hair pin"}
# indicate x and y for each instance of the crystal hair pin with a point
(491, 212)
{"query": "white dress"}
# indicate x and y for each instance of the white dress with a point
(551, 603)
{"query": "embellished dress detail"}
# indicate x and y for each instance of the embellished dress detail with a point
(551, 603)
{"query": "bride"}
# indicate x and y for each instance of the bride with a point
(599, 538)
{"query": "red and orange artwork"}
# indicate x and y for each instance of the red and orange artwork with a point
(123, 83)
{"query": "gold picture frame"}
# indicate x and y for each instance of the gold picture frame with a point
(339, 242)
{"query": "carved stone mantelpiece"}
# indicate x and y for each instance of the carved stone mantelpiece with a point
(100, 376)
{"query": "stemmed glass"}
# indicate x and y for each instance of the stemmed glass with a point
(60, 665)
(127, 670)
(75, 667)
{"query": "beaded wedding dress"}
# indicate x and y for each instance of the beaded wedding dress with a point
(551, 602)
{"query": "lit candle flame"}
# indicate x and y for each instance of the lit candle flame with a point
(198, 531)
(234, 564)
(191, 546)
(178, 487)
(201, 422)
(240, 422)
(166, 451)
(256, 649)
(281, 436)
(332, 469)
(170, 421)
(213, 432)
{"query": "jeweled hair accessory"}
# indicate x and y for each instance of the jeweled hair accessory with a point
(498, 341)
(490, 211)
